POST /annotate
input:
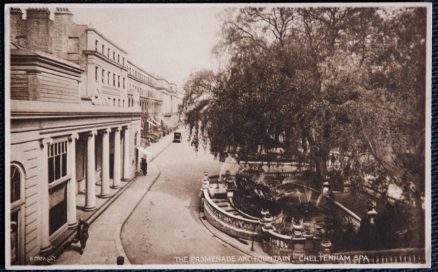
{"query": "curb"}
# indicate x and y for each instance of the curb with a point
(104, 207)
(92, 217)
(118, 233)
(161, 151)
(119, 236)
(118, 240)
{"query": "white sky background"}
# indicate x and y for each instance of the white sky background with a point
(169, 41)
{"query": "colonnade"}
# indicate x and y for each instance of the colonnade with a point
(90, 187)
(90, 195)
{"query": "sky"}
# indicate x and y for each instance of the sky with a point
(169, 41)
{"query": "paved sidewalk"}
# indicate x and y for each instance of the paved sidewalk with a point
(104, 244)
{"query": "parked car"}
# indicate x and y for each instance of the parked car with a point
(177, 137)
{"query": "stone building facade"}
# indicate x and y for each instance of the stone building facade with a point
(144, 84)
(75, 124)
(169, 111)
(157, 96)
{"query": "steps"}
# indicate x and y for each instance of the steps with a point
(225, 205)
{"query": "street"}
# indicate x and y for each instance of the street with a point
(165, 227)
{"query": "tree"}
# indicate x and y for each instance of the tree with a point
(383, 93)
(198, 93)
(308, 80)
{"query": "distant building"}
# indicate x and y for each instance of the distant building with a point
(145, 85)
(158, 99)
(169, 110)
(77, 109)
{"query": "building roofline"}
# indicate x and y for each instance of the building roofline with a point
(144, 71)
(28, 55)
(108, 40)
(142, 82)
(149, 74)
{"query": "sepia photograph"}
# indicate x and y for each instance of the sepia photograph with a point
(244, 136)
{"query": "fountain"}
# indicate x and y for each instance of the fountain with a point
(292, 208)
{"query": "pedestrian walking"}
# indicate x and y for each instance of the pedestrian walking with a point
(144, 166)
(82, 234)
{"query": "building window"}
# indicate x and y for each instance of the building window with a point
(114, 56)
(108, 78)
(114, 80)
(57, 162)
(103, 75)
(15, 184)
(96, 43)
(96, 71)
(103, 49)
(17, 203)
(108, 53)
(123, 83)
(123, 60)
(118, 58)
(118, 81)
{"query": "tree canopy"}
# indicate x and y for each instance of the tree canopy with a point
(306, 81)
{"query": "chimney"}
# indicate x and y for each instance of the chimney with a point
(38, 29)
(62, 29)
(16, 24)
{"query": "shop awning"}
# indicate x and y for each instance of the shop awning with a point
(143, 153)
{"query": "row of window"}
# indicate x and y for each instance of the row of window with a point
(149, 81)
(114, 58)
(140, 76)
(115, 78)
(141, 92)
(118, 102)
(149, 106)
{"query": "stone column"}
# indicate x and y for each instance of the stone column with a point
(45, 245)
(126, 154)
(326, 246)
(90, 199)
(104, 192)
(71, 186)
(206, 181)
(116, 175)
(326, 188)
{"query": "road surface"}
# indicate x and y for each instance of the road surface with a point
(165, 227)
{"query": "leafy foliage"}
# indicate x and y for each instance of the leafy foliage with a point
(300, 82)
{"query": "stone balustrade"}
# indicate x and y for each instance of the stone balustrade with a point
(229, 223)
(302, 242)
(230, 199)
(348, 215)
(279, 175)
(277, 244)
